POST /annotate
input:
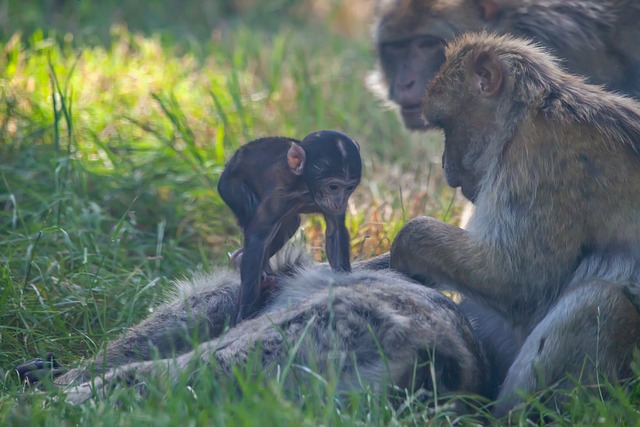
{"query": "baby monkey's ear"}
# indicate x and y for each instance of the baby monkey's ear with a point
(296, 158)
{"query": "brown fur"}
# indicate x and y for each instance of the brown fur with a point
(594, 38)
(553, 167)
(269, 182)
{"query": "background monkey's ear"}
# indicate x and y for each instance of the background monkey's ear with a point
(296, 158)
(356, 144)
(489, 9)
(486, 73)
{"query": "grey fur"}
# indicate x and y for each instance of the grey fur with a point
(331, 315)
(593, 37)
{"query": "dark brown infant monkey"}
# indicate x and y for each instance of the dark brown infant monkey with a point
(269, 182)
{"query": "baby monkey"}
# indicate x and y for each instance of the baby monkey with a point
(269, 182)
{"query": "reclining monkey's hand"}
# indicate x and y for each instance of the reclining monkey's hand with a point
(35, 370)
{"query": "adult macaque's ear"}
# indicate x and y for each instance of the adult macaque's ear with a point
(486, 73)
(489, 9)
(296, 158)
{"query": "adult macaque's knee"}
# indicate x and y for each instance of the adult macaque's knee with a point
(590, 334)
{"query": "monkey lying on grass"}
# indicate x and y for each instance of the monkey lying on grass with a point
(374, 328)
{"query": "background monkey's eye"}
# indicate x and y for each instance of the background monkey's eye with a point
(332, 187)
(428, 42)
(351, 188)
(393, 49)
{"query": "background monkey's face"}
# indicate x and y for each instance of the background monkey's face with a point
(411, 38)
(408, 64)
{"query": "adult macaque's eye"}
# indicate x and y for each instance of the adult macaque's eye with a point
(428, 42)
(394, 48)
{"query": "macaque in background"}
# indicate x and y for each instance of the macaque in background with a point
(269, 182)
(594, 38)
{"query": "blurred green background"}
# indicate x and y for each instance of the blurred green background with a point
(116, 118)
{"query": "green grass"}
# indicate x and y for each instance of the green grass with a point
(111, 145)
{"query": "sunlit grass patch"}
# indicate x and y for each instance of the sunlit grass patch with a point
(160, 125)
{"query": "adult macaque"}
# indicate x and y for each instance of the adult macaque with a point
(387, 329)
(553, 167)
(595, 38)
(269, 182)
